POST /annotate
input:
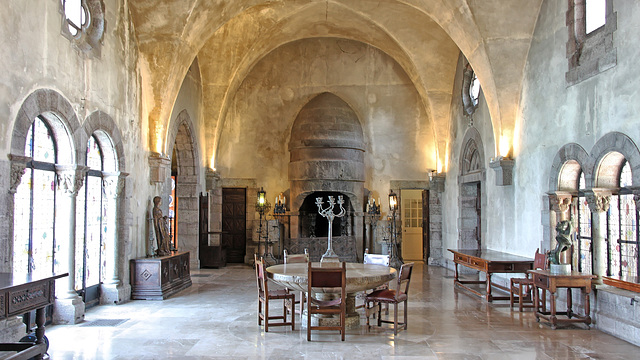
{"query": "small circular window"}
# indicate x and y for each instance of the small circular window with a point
(83, 24)
(470, 90)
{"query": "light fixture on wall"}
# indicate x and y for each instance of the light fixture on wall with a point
(395, 260)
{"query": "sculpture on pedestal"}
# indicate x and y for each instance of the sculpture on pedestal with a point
(330, 255)
(559, 263)
(161, 228)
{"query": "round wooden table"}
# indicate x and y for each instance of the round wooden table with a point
(360, 277)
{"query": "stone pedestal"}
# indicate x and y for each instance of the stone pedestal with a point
(68, 311)
(115, 294)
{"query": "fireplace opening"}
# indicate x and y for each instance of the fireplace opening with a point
(312, 224)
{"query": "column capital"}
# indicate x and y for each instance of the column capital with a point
(436, 182)
(212, 179)
(18, 166)
(504, 170)
(113, 183)
(160, 168)
(598, 199)
(559, 201)
(71, 178)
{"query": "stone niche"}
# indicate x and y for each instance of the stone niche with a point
(327, 158)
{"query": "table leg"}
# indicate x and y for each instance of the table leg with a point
(489, 296)
(536, 300)
(553, 319)
(455, 278)
(587, 307)
(569, 303)
(40, 319)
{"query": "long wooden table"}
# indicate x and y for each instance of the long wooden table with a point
(489, 262)
(543, 279)
(21, 294)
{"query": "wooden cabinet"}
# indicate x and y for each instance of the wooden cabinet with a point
(157, 278)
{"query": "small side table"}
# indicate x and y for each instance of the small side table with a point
(543, 279)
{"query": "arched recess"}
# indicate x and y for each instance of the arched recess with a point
(60, 116)
(185, 154)
(569, 161)
(471, 180)
(609, 154)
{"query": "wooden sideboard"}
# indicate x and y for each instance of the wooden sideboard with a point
(157, 278)
(489, 262)
(21, 294)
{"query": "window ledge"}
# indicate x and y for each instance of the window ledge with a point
(630, 283)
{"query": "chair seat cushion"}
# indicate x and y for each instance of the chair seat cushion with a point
(386, 295)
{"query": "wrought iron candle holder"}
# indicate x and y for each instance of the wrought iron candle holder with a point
(330, 255)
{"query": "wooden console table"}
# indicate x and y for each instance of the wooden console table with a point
(19, 295)
(543, 279)
(157, 278)
(489, 262)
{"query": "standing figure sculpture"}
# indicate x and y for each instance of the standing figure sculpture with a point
(161, 228)
(563, 239)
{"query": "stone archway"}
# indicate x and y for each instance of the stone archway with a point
(184, 163)
(471, 181)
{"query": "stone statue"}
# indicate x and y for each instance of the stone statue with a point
(161, 227)
(564, 230)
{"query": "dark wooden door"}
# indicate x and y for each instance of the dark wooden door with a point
(234, 224)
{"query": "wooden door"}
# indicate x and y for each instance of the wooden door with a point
(234, 224)
(411, 224)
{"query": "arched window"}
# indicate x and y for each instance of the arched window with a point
(622, 220)
(34, 205)
(91, 226)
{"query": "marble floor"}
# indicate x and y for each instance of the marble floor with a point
(216, 319)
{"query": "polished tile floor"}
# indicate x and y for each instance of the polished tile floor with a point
(216, 319)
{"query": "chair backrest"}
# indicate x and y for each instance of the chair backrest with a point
(404, 278)
(376, 259)
(539, 261)
(260, 276)
(296, 258)
(327, 277)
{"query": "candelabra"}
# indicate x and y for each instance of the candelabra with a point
(262, 207)
(373, 214)
(330, 255)
(395, 260)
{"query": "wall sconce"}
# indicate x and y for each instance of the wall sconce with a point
(279, 207)
(262, 200)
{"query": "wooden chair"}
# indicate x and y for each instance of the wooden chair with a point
(374, 259)
(297, 258)
(265, 295)
(391, 296)
(327, 277)
(522, 288)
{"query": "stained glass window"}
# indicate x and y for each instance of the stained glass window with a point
(583, 238)
(34, 205)
(623, 234)
(91, 226)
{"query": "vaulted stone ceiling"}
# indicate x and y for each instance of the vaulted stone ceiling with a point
(424, 36)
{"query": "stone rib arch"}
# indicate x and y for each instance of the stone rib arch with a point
(60, 116)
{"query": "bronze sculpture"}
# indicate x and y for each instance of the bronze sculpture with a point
(564, 230)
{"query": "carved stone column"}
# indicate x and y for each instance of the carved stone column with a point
(559, 203)
(598, 200)
(69, 306)
(112, 289)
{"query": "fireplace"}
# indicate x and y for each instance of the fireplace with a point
(326, 158)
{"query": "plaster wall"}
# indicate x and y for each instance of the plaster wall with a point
(399, 141)
(554, 114)
(41, 58)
